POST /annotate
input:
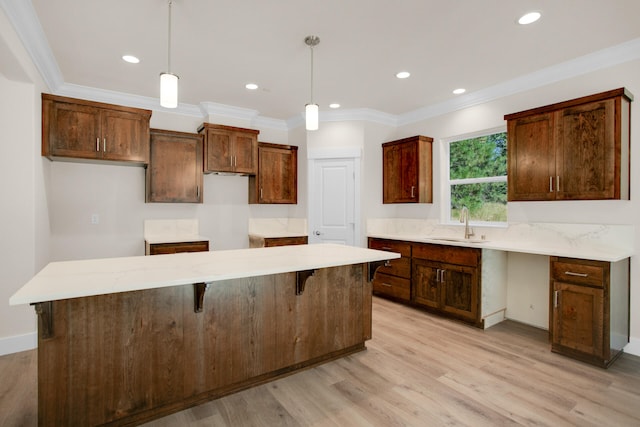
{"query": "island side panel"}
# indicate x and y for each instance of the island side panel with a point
(130, 357)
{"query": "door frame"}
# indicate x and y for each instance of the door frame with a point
(336, 153)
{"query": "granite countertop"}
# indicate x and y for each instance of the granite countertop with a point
(82, 278)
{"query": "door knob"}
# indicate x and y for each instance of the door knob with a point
(317, 233)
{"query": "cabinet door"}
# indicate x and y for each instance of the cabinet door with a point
(585, 156)
(400, 174)
(277, 175)
(426, 282)
(578, 318)
(245, 153)
(218, 151)
(124, 136)
(72, 130)
(459, 291)
(174, 173)
(531, 158)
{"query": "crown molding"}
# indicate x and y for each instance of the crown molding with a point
(605, 58)
(26, 24)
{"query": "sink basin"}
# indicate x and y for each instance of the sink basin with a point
(456, 239)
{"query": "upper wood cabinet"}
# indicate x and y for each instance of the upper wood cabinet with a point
(174, 173)
(230, 149)
(277, 178)
(407, 170)
(79, 129)
(574, 150)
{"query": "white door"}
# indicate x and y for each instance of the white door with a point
(332, 201)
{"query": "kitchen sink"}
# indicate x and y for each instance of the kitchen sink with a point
(456, 239)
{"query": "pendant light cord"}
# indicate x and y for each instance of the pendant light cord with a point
(169, 41)
(311, 47)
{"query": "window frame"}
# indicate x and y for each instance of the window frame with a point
(445, 173)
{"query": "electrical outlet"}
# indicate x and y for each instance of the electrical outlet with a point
(95, 218)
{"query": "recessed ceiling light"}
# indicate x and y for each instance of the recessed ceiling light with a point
(130, 59)
(459, 91)
(334, 105)
(529, 18)
(251, 86)
(403, 74)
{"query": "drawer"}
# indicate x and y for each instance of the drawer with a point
(400, 267)
(403, 248)
(581, 272)
(174, 248)
(392, 286)
(449, 254)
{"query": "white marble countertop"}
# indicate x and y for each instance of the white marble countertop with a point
(153, 240)
(597, 252)
(277, 234)
(82, 278)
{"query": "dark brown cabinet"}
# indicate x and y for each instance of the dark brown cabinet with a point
(407, 170)
(79, 129)
(393, 279)
(574, 150)
(267, 242)
(178, 247)
(446, 279)
(230, 149)
(174, 173)
(589, 316)
(277, 179)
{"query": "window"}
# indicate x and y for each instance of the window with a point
(477, 177)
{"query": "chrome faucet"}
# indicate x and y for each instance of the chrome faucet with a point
(464, 217)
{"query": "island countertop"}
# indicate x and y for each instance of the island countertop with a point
(82, 278)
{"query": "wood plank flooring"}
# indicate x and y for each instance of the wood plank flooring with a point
(418, 370)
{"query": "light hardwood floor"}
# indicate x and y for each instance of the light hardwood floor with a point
(418, 370)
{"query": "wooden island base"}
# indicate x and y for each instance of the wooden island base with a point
(126, 358)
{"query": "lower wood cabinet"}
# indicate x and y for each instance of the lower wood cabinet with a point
(446, 279)
(394, 279)
(266, 242)
(174, 248)
(589, 316)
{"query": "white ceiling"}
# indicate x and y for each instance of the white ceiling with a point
(220, 45)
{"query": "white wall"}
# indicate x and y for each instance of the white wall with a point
(24, 232)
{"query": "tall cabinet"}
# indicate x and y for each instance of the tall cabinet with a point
(573, 150)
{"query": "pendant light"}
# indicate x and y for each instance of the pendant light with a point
(311, 109)
(168, 80)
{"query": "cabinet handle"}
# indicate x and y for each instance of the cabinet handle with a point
(571, 273)
(550, 184)
(104, 144)
(260, 193)
(555, 298)
(97, 144)
(386, 284)
(231, 161)
(558, 183)
(442, 276)
(438, 275)
(197, 191)
(235, 161)
(413, 188)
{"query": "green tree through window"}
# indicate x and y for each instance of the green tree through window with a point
(478, 177)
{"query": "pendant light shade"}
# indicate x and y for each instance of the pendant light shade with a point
(311, 109)
(168, 90)
(168, 80)
(311, 116)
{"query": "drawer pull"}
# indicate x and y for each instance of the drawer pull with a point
(571, 273)
(386, 248)
(555, 299)
(386, 284)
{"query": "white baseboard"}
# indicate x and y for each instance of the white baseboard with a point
(18, 343)
(633, 347)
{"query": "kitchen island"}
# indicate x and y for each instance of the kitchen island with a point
(125, 340)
